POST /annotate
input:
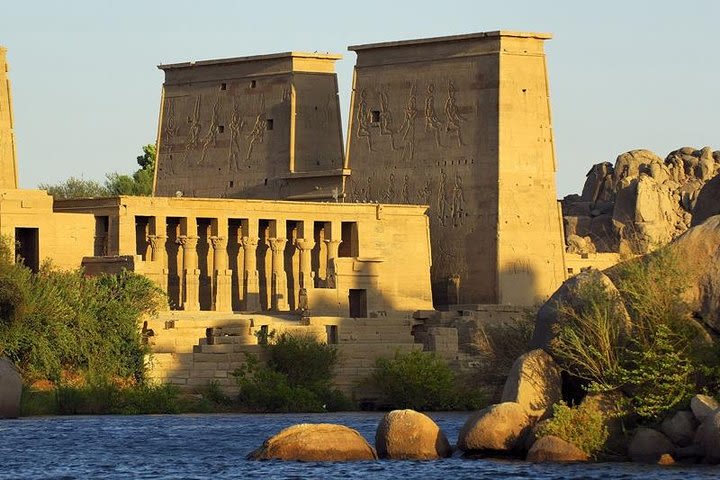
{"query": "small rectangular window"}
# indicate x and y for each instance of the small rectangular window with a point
(232, 184)
(223, 86)
(221, 128)
(253, 84)
(269, 124)
(375, 116)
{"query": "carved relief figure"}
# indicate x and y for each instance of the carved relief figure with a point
(386, 120)
(210, 138)
(408, 127)
(443, 206)
(236, 126)
(257, 135)
(195, 127)
(171, 129)
(458, 202)
(454, 119)
(432, 122)
(363, 120)
(425, 192)
(368, 190)
(406, 190)
(390, 193)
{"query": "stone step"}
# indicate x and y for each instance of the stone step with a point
(230, 340)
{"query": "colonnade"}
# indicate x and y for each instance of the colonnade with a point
(245, 264)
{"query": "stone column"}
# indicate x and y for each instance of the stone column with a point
(279, 290)
(222, 275)
(191, 299)
(305, 246)
(332, 248)
(158, 256)
(251, 281)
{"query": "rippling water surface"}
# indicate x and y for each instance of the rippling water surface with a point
(214, 446)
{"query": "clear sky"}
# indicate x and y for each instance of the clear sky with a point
(623, 74)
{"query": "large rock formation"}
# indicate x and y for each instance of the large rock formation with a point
(315, 443)
(649, 445)
(708, 201)
(410, 435)
(534, 383)
(10, 389)
(497, 428)
(640, 202)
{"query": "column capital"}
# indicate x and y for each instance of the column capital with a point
(333, 242)
(277, 244)
(156, 240)
(187, 241)
(218, 243)
(249, 242)
(305, 243)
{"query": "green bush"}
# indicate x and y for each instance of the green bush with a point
(655, 360)
(583, 426)
(422, 381)
(61, 323)
(297, 377)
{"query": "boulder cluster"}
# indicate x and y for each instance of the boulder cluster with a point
(640, 202)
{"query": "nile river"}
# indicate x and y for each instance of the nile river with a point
(215, 446)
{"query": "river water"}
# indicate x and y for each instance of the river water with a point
(215, 446)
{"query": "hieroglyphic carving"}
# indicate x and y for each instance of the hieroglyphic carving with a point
(425, 193)
(195, 127)
(363, 120)
(210, 138)
(236, 126)
(432, 122)
(407, 129)
(454, 119)
(389, 195)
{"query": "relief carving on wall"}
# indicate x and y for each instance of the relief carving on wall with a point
(236, 127)
(453, 123)
(210, 138)
(363, 120)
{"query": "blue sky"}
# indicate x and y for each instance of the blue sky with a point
(623, 75)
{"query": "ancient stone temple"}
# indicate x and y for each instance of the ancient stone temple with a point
(264, 126)
(463, 124)
(8, 163)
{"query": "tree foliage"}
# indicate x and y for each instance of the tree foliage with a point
(140, 183)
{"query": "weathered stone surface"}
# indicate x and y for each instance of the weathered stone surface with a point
(698, 249)
(708, 437)
(534, 383)
(496, 428)
(548, 316)
(708, 201)
(554, 449)
(10, 389)
(680, 428)
(703, 406)
(315, 443)
(649, 445)
(577, 225)
(407, 434)
(580, 245)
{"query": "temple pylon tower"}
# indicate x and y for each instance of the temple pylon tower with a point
(8, 162)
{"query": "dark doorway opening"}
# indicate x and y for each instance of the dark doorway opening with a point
(27, 247)
(358, 303)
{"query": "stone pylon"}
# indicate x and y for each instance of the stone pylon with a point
(8, 162)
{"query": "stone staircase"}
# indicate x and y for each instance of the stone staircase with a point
(193, 349)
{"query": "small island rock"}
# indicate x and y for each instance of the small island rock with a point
(498, 427)
(323, 442)
(410, 435)
(554, 449)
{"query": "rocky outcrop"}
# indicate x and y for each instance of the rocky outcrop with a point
(639, 203)
(708, 437)
(410, 435)
(648, 445)
(680, 428)
(497, 428)
(698, 250)
(549, 316)
(703, 406)
(708, 202)
(554, 449)
(315, 443)
(10, 389)
(534, 383)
